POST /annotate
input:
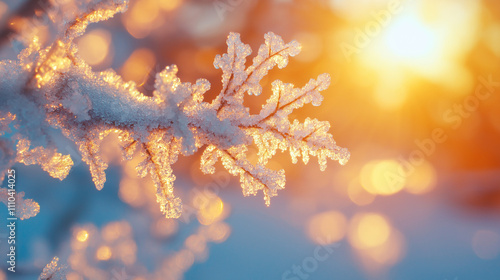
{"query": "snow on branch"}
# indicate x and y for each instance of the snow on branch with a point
(49, 91)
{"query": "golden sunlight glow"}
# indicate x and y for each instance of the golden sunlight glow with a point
(328, 227)
(73, 276)
(94, 46)
(492, 38)
(377, 259)
(142, 17)
(82, 235)
(210, 211)
(169, 5)
(164, 228)
(138, 66)
(369, 230)
(130, 192)
(411, 40)
(103, 253)
(311, 46)
(422, 180)
(382, 177)
(415, 43)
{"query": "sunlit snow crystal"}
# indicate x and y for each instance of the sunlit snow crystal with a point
(51, 93)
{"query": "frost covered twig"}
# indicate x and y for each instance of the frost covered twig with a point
(53, 271)
(51, 90)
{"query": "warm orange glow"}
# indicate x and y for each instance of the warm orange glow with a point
(327, 227)
(113, 231)
(382, 177)
(169, 5)
(138, 66)
(94, 46)
(492, 38)
(126, 251)
(164, 227)
(416, 43)
(369, 230)
(409, 39)
(422, 180)
(210, 211)
(142, 17)
(183, 259)
(377, 259)
(103, 253)
(311, 46)
(73, 276)
(377, 244)
(82, 236)
(130, 192)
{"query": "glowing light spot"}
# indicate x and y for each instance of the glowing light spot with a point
(138, 66)
(103, 253)
(169, 5)
(183, 259)
(486, 244)
(115, 230)
(94, 46)
(328, 227)
(141, 18)
(82, 236)
(130, 192)
(376, 259)
(382, 177)
(73, 276)
(210, 211)
(217, 232)
(196, 243)
(164, 227)
(410, 39)
(422, 180)
(369, 230)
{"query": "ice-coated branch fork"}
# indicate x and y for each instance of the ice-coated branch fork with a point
(51, 91)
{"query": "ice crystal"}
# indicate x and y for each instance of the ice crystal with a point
(56, 164)
(25, 208)
(50, 91)
(53, 271)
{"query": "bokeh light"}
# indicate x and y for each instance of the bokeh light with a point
(486, 244)
(327, 227)
(369, 230)
(382, 177)
(103, 253)
(94, 47)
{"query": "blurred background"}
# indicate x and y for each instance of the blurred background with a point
(415, 97)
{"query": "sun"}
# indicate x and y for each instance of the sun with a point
(410, 40)
(424, 41)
